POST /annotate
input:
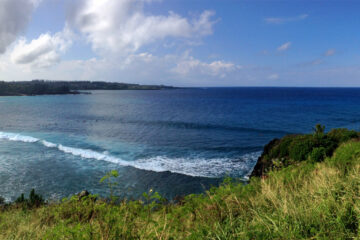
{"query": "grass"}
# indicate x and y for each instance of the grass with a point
(303, 201)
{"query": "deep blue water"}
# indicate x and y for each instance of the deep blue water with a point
(173, 141)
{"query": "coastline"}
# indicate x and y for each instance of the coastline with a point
(270, 206)
(46, 87)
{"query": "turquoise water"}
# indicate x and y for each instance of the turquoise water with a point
(174, 141)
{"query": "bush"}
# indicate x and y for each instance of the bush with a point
(318, 154)
(20, 199)
(340, 135)
(280, 153)
(319, 129)
(35, 200)
(301, 147)
(282, 149)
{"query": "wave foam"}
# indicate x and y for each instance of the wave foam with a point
(199, 167)
(17, 137)
(48, 144)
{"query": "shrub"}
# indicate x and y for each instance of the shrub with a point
(282, 149)
(319, 129)
(20, 199)
(280, 153)
(318, 154)
(301, 147)
(110, 179)
(35, 200)
(340, 135)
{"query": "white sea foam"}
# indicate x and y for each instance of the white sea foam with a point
(17, 137)
(200, 167)
(48, 144)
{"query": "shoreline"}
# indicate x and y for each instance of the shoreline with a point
(307, 199)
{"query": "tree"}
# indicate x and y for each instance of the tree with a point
(319, 129)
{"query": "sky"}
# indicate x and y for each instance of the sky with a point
(190, 43)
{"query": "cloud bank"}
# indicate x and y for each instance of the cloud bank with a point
(14, 17)
(41, 52)
(189, 66)
(122, 40)
(124, 27)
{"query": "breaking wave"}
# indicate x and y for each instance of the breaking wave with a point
(198, 167)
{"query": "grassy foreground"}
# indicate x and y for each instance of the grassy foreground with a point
(311, 200)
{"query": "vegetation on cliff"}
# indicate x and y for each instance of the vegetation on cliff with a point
(293, 149)
(41, 87)
(314, 198)
(33, 88)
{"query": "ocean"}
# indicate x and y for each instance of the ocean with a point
(176, 142)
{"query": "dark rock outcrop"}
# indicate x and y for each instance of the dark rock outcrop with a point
(263, 163)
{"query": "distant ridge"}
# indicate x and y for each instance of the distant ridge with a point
(47, 87)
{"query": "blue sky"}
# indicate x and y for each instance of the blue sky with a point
(182, 42)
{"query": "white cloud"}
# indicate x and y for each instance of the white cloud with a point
(124, 36)
(41, 52)
(14, 17)
(321, 59)
(123, 26)
(188, 65)
(273, 76)
(330, 52)
(280, 20)
(284, 47)
(145, 68)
